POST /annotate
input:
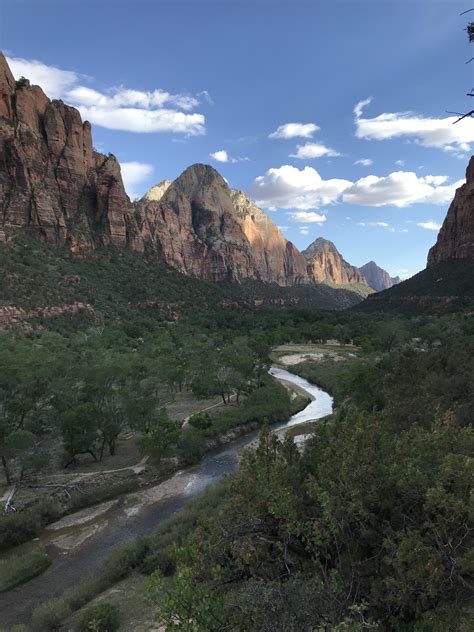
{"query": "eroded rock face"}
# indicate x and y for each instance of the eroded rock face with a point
(276, 258)
(377, 278)
(326, 265)
(51, 180)
(158, 190)
(456, 237)
(203, 228)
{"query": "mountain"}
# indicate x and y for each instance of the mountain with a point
(456, 237)
(448, 281)
(326, 265)
(396, 280)
(378, 278)
(53, 183)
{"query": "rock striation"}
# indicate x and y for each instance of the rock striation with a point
(377, 278)
(456, 237)
(326, 265)
(202, 227)
(52, 181)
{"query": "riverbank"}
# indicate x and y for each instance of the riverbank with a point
(80, 550)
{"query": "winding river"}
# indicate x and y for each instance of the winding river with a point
(79, 543)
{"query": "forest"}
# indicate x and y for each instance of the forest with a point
(369, 527)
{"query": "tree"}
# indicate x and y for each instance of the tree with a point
(162, 437)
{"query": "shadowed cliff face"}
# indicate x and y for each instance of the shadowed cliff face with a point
(203, 228)
(456, 237)
(326, 265)
(378, 278)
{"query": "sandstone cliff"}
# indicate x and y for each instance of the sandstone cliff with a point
(202, 227)
(326, 265)
(51, 179)
(456, 237)
(376, 277)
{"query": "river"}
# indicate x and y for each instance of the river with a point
(79, 543)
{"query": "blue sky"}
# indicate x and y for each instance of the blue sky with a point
(293, 95)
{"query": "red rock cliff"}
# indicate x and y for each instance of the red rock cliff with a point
(51, 180)
(456, 237)
(326, 265)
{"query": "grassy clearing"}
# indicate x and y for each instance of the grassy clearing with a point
(18, 569)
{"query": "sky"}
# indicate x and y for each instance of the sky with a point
(331, 114)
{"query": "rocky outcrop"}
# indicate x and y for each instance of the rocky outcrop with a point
(157, 191)
(395, 280)
(51, 179)
(276, 258)
(201, 227)
(456, 237)
(377, 278)
(326, 265)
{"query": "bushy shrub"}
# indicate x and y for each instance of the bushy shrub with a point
(19, 569)
(50, 615)
(123, 560)
(102, 617)
(201, 421)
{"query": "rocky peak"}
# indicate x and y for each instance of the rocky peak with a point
(157, 191)
(456, 237)
(326, 265)
(376, 277)
(319, 245)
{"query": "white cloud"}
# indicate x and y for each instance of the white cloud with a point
(431, 225)
(54, 81)
(295, 130)
(313, 150)
(118, 108)
(123, 97)
(223, 156)
(134, 174)
(400, 163)
(365, 162)
(307, 217)
(291, 188)
(429, 132)
(304, 230)
(288, 187)
(207, 97)
(359, 107)
(283, 228)
(400, 188)
(220, 156)
(377, 224)
(145, 121)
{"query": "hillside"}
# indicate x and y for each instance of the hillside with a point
(443, 286)
(121, 284)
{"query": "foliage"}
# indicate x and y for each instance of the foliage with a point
(102, 617)
(19, 569)
(370, 527)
